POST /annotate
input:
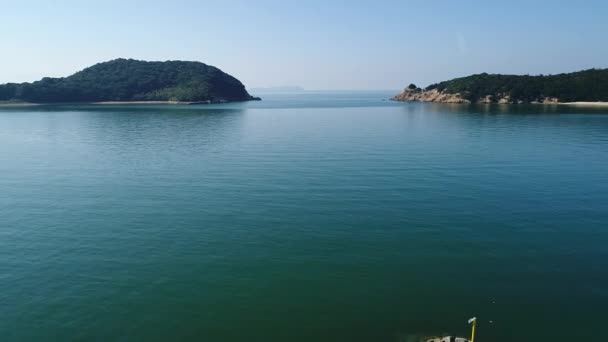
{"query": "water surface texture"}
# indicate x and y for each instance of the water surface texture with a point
(304, 217)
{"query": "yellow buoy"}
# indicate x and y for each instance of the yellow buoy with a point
(473, 322)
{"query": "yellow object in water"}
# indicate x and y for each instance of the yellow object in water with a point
(473, 321)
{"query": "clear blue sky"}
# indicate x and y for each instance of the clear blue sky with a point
(313, 44)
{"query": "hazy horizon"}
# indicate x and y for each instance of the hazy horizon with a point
(317, 46)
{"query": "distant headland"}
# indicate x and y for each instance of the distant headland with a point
(132, 82)
(280, 89)
(588, 87)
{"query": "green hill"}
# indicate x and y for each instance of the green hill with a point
(133, 80)
(588, 85)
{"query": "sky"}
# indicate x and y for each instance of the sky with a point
(318, 45)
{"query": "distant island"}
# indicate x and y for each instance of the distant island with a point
(132, 81)
(588, 87)
(280, 89)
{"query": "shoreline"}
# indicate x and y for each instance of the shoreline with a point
(253, 98)
(585, 103)
(579, 103)
(18, 104)
(149, 103)
(109, 103)
(414, 94)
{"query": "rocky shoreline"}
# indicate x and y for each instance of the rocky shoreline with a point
(419, 95)
(584, 87)
(415, 94)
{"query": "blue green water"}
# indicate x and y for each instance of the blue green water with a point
(304, 217)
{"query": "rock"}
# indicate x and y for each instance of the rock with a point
(486, 99)
(418, 95)
(447, 339)
(550, 100)
(505, 100)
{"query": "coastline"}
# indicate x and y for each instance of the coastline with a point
(434, 95)
(109, 103)
(253, 98)
(149, 103)
(17, 104)
(456, 99)
(593, 104)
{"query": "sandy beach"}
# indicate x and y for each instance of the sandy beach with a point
(597, 104)
(17, 104)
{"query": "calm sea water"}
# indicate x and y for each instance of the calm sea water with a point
(304, 217)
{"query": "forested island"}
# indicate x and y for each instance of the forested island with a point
(583, 86)
(133, 81)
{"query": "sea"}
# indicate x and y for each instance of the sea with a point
(309, 216)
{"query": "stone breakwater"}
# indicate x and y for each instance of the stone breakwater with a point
(434, 95)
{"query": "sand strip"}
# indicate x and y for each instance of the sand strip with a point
(595, 104)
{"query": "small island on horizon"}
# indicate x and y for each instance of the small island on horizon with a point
(279, 89)
(129, 81)
(583, 87)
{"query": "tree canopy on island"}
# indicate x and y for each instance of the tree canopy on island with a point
(133, 80)
(587, 85)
